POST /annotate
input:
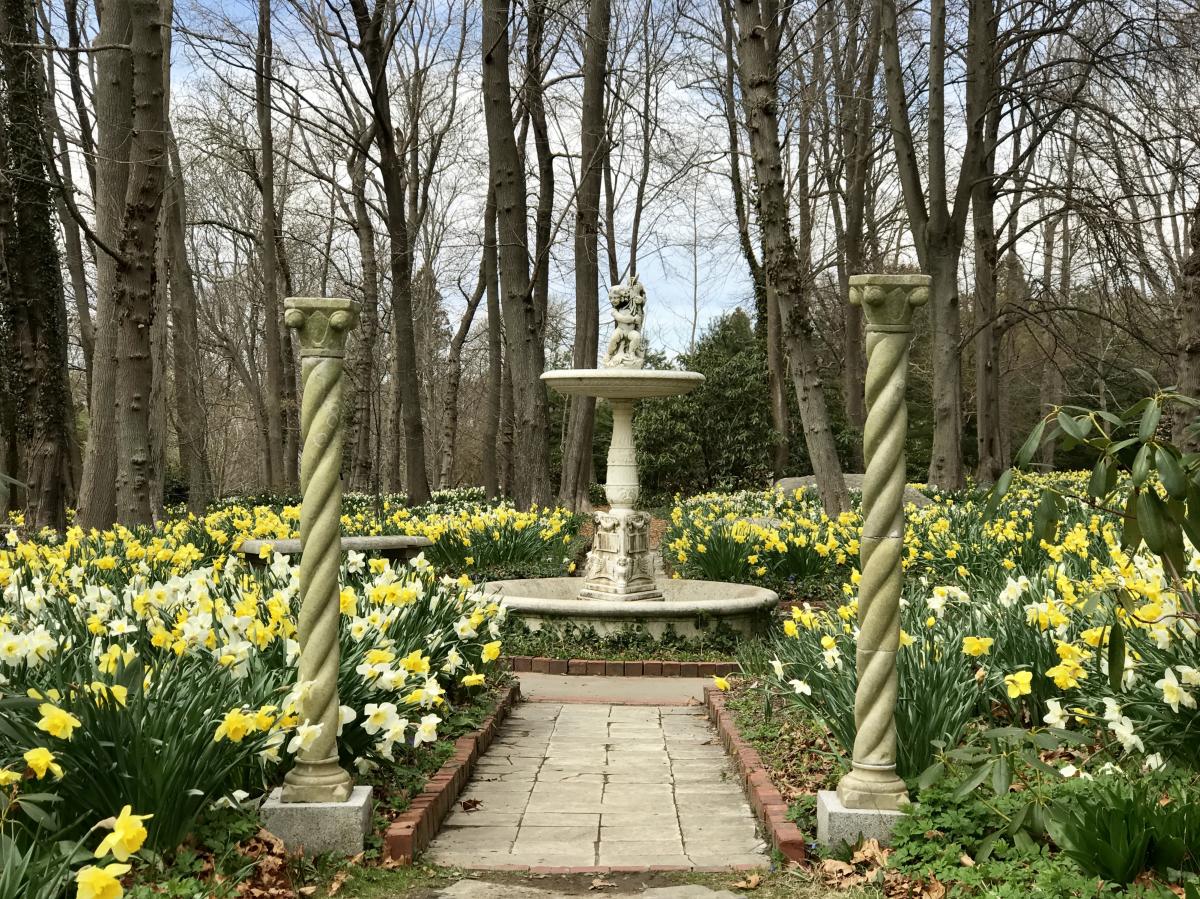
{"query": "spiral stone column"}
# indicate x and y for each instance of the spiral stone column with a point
(321, 325)
(888, 302)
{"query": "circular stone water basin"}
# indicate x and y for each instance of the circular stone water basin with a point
(622, 383)
(688, 607)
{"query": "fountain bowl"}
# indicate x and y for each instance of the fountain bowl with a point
(689, 608)
(622, 383)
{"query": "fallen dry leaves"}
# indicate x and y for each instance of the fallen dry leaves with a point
(750, 883)
(868, 866)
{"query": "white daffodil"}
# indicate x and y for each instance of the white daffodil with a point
(427, 730)
(1122, 728)
(1173, 693)
(306, 734)
(381, 716)
(1055, 715)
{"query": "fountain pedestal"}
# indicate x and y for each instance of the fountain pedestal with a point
(620, 565)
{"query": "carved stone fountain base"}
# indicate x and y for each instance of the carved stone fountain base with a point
(619, 565)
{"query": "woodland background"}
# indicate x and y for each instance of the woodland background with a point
(476, 173)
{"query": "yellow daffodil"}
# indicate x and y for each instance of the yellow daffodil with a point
(93, 882)
(56, 722)
(127, 835)
(41, 762)
(977, 646)
(1019, 684)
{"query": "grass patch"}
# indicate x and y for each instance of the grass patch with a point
(423, 881)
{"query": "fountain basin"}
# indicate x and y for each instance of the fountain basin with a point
(687, 607)
(622, 383)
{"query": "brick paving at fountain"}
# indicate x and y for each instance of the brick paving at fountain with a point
(596, 786)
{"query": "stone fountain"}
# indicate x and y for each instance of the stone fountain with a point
(619, 586)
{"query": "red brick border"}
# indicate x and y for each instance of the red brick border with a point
(415, 828)
(765, 799)
(606, 668)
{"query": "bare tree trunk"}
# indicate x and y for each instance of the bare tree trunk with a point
(454, 379)
(856, 114)
(31, 296)
(263, 75)
(507, 429)
(1188, 371)
(72, 239)
(760, 30)
(160, 319)
(577, 449)
(372, 45)
(938, 226)
(191, 427)
(524, 322)
(114, 121)
(988, 439)
(495, 386)
(766, 318)
(134, 302)
(368, 333)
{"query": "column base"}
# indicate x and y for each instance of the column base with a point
(317, 781)
(317, 827)
(875, 789)
(837, 824)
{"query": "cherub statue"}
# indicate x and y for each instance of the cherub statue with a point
(627, 347)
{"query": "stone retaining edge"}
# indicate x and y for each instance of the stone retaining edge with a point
(766, 801)
(412, 832)
(605, 668)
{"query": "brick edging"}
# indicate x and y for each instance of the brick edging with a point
(767, 802)
(607, 668)
(409, 834)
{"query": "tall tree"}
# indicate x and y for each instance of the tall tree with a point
(525, 325)
(273, 342)
(577, 451)
(135, 292)
(114, 124)
(938, 227)
(761, 25)
(32, 300)
(191, 426)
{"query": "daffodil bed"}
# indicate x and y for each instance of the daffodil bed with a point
(154, 673)
(1020, 657)
(485, 541)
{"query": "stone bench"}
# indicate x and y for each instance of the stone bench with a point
(396, 549)
(854, 483)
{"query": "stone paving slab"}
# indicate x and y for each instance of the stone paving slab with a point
(585, 785)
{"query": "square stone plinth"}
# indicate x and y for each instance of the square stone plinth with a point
(837, 824)
(317, 827)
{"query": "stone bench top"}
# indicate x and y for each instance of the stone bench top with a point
(390, 547)
(854, 483)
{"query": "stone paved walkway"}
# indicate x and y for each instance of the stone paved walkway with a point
(580, 785)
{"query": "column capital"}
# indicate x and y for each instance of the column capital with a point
(888, 301)
(321, 324)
